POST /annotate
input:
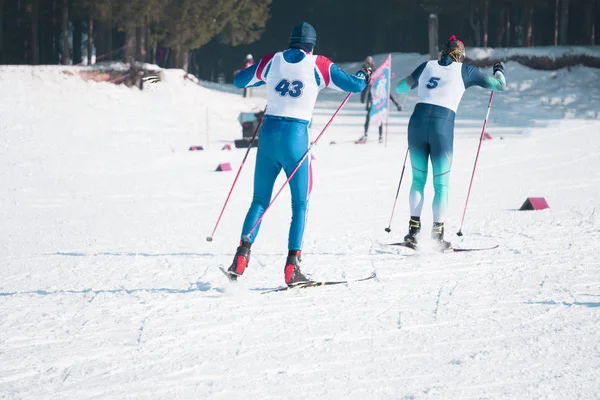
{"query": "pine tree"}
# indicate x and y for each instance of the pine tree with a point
(132, 15)
(247, 23)
(189, 24)
(98, 14)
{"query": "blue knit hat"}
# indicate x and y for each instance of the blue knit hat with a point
(303, 33)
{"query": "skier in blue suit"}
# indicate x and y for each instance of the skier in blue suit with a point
(431, 128)
(294, 78)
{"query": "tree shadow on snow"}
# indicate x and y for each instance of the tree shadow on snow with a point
(590, 304)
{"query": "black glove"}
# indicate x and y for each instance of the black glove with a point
(399, 107)
(498, 67)
(367, 71)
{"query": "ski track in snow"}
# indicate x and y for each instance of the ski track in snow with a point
(109, 289)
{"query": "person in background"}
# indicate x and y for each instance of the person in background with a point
(293, 79)
(249, 61)
(441, 84)
(367, 96)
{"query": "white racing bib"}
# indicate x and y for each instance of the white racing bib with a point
(292, 89)
(441, 85)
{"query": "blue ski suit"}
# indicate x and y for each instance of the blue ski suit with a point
(294, 78)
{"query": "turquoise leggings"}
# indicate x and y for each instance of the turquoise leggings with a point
(430, 136)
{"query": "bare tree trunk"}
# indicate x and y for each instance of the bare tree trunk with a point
(433, 30)
(77, 41)
(65, 32)
(556, 23)
(185, 58)
(475, 25)
(104, 39)
(528, 42)
(148, 45)
(44, 33)
(109, 55)
(2, 56)
(140, 43)
(486, 8)
(56, 32)
(564, 23)
(593, 28)
(101, 48)
(35, 26)
(90, 42)
(500, 28)
(104, 36)
(589, 23)
(176, 61)
(129, 51)
(154, 49)
(180, 58)
(508, 27)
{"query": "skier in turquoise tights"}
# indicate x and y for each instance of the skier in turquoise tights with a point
(441, 84)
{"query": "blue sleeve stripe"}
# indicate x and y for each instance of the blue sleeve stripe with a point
(346, 82)
(317, 78)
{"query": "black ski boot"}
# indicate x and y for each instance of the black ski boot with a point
(240, 261)
(437, 234)
(293, 275)
(414, 228)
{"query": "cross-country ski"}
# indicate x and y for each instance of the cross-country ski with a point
(412, 246)
(312, 284)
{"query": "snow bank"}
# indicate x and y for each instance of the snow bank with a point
(532, 95)
(55, 95)
(552, 52)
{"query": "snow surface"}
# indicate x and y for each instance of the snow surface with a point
(109, 289)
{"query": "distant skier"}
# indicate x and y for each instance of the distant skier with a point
(249, 61)
(431, 128)
(294, 78)
(367, 96)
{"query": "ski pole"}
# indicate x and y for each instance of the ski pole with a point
(389, 228)
(247, 236)
(210, 238)
(459, 233)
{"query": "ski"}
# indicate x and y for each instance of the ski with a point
(227, 275)
(310, 284)
(476, 249)
(455, 250)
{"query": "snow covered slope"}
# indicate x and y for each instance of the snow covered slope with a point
(109, 290)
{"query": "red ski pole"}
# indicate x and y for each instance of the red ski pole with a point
(210, 238)
(459, 233)
(247, 236)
